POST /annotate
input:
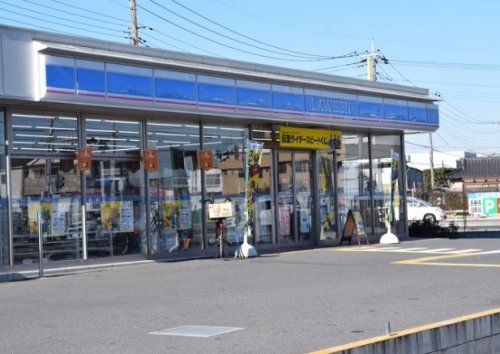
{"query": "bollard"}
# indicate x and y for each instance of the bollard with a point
(388, 329)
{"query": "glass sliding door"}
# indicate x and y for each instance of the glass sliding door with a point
(303, 195)
(115, 188)
(295, 196)
(175, 188)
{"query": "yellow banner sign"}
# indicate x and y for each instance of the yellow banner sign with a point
(294, 137)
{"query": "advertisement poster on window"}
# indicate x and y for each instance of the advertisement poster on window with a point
(58, 219)
(170, 213)
(253, 162)
(33, 209)
(305, 220)
(235, 224)
(117, 216)
(284, 220)
(127, 216)
(185, 220)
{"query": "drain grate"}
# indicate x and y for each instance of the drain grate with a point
(197, 331)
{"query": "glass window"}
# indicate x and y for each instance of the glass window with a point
(4, 229)
(226, 180)
(113, 137)
(37, 133)
(387, 182)
(175, 188)
(354, 178)
(115, 188)
(115, 208)
(50, 186)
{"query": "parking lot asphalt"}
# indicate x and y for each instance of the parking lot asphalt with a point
(286, 303)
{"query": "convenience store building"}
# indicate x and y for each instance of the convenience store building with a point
(60, 93)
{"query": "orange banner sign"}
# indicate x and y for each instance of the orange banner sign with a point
(84, 157)
(205, 159)
(151, 160)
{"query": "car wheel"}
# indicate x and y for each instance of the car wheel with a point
(430, 218)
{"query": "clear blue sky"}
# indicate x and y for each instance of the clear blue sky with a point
(458, 38)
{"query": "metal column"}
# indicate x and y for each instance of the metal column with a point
(404, 184)
(370, 183)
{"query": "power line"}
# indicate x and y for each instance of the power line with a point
(60, 24)
(186, 43)
(73, 13)
(285, 24)
(89, 11)
(448, 65)
(237, 40)
(32, 25)
(61, 18)
(248, 37)
(212, 40)
(396, 70)
(339, 66)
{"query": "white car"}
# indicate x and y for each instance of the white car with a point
(420, 210)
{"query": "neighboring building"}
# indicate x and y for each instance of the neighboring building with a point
(61, 93)
(479, 181)
(420, 160)
(479, 174)
(414, 181)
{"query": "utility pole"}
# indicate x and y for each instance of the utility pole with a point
(431, 158)
(371, 64)
(134, 32)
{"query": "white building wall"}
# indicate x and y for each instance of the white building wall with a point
(420, 160)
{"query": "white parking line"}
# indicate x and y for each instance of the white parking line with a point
(413, 249)
(490, 252)
(440, 250)
(470, 250)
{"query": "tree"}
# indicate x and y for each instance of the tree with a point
(439, 177)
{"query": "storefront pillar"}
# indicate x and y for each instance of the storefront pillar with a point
(370, 183)
(404, 184)
(8, 143)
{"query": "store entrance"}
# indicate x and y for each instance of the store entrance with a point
(295, 196)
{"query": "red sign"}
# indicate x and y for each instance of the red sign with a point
(151, 160)
(205, 159)
(84, 158)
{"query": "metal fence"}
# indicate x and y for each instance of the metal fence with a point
(456, 206)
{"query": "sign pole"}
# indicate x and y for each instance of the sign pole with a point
(246, 250)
